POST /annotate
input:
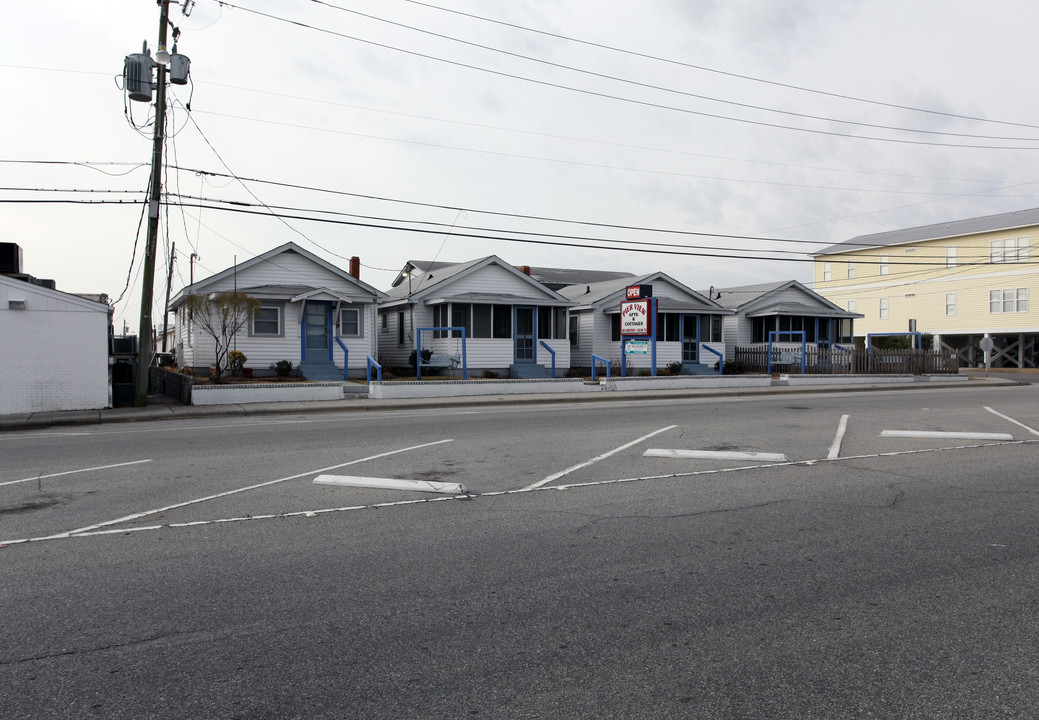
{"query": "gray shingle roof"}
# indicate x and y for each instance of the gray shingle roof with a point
(956, 228)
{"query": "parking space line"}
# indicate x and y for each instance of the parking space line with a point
(715, 455)
(146, 513)
(391, 484)
(943, 434)
(1010, 419)
(594, 460)
(500, 493)
(835, 446)
(73, 472)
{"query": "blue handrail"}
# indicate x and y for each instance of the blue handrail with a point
(553, 353)
(721, 358)
(370, 363)
(346, 358)
(603, 361)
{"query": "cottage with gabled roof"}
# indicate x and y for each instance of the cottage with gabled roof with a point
(689, 325)
(309, 311)
(784, 306)
(512, 322)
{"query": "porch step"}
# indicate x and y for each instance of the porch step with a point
(528, 371)
(320, 371)
(698, 369)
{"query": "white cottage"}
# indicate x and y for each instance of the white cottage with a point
(689, 325)
(514, 325)
(54, 352)
(312, 313)
(785, 307)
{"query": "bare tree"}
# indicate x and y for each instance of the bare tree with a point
(221, 316)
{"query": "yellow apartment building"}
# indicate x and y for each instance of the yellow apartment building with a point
(960, 281)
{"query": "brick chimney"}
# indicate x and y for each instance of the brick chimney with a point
(525, 269)
(355, 267)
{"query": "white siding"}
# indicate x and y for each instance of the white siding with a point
(54, 353)
(495, 279)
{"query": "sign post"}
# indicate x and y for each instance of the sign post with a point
(638, 323)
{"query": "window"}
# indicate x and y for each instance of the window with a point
(883, 308)
(544, 323)
(716, 328)
(385, 321)
(267, 320)
(350, 322)
(853, 305)
(575, 331)
(827, 271)
(885, 264)
(502, 322)
(1008, 300)
(852, 270)
(400, 327)
(615, 327)
(950, 304)
(1009, 250)
(439, 320)
(950, 256)
(481, 321)
(559, 323)
(668, 325)
(461, 316)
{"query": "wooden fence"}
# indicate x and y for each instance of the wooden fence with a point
(839, 361)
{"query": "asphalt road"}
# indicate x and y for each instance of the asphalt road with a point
(194, 570)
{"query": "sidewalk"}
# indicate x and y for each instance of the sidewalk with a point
(162, 408)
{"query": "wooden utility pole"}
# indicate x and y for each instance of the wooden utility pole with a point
(169, 286)
(145, 340)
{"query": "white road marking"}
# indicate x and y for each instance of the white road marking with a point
(835, 446)
(716, 455)
(947, 435)
(594, 460)
(500, 493)
(392, 484)
(1010, 419)
(72, 472)
(146, 513)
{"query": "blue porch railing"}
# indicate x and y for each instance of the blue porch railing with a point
(602, 360)
(369, 364)
(346, 358)
(721, 358)
(551, 352)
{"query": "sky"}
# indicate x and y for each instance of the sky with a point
(719, 142)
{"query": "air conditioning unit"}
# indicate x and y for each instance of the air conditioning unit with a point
(10, 259)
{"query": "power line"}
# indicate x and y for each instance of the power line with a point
(609, 96)
(725, 73)
(660, 87)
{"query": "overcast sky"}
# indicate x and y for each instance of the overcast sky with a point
(793, 124)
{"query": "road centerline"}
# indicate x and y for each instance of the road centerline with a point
(73, 472)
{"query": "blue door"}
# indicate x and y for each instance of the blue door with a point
(523, 338)
(317, 336)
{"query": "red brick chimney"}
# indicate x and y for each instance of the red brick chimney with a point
(525, 269)
(355, 267)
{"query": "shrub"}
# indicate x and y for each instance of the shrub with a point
(674, 368)
(426, 355)
(282, 368)
(235, 361)
(490, 374)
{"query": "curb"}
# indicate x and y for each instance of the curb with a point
(108, 416)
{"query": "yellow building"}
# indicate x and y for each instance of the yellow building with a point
(960, 281)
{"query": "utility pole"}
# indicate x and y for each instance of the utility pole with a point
(166, 307)
(144, 338)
